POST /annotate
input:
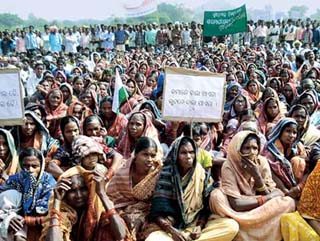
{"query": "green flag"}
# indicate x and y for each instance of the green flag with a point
(217, 23)
(120, 93)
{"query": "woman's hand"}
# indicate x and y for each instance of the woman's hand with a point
(250, 168)
(103, 132)
(294, 192)
(100, 182)
(196, 233)
(16, 223)
(61, 189)
(179, 236)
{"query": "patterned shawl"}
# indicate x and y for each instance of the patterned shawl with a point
(35, 191)
(69, 216)
(280, 165)
(171, 199)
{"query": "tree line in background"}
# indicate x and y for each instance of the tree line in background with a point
(166, 13)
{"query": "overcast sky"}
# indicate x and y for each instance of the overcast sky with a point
(101, 9)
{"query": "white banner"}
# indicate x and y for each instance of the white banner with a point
(137, 8)
(190, 95)
(11, 103)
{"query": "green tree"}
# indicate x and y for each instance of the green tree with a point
(9, 21)
(296, 12)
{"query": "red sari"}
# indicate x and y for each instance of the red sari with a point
(54, 115)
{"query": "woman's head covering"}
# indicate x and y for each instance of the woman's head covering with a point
(83, 146)
(12, 163)
(234, 162)
(85, 110)
(169, 198)
(314, 95)
(34, 106)
(254, 97)
(263, 78)
(126, 143)
(35, 190)
(229, 102)
(271, 146)
(39, 124)
(60, 109)
(155, 111)
(263, 119)
(62, 74)
(71, 97)
(233, 113)
(94, 204)
(94, 96)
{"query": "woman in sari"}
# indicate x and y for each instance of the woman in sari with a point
(115, 122)
(139, 124)
(254, 93)
(233, 90)
(90, 99)
(290, 93)
(134, 99)
(179, 209)
(78, 205)
(35, 185)
(67, 91)
(78, 85)
(248, 194)
(268, 93)
(304, 225)
(308, 133)
(79, 110)
(55, 109)
(133, 184)
(270, 114)
(238, 106)
(9, 164)
(309, 99)
(63, 158)
(33, 133)
(151, 84)
(287, 157)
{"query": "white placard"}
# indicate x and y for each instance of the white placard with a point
(190, 95)
(11, 103)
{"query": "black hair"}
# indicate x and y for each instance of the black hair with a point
(195, 128)
(251, 137)
(144, 143)
(30, 151)
(286, 125)
(89, 119)
(77, 78)
(106, 99)
(66, 120)
(297, 107)
(265, 92)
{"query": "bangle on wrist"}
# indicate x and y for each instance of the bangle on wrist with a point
(261, 189)
(261, 200)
